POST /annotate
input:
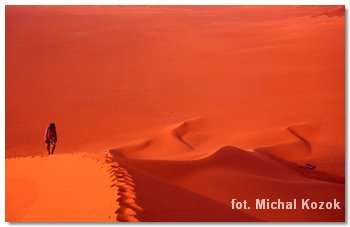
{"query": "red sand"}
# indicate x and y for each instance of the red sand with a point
(56, 188)
(214, 102)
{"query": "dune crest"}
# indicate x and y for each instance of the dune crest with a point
(232, 171)
(172, 142)
(123, 182)
(299, 148)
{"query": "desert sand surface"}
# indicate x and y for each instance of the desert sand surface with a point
(62, 187)
(189, 107)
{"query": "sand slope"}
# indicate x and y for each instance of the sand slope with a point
(272, 171)
(234, 173)
(69, 188)
(162, 201)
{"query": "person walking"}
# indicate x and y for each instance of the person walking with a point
(50, 138)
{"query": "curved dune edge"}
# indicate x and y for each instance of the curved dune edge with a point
(287, 153)
(299, 148)
(258, 164)
(227, 172)
(185, 127)
(60, 188)
(181, 142)
(123, 182)
(170, 143)
(145, 189)
(163, 201)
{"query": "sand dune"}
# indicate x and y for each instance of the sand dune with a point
(245, 175)
(62, 188)
(127, 189)
(162, 201)
(266, 172)
(177, 141)
(298, 148)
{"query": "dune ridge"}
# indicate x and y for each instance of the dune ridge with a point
(295, 133)
(180, 131)
(262, 168)
(123, 182)
(205, 177)
(190, 134)
(298, 148)
(163, 201)
(149, 188)
(174, 142)
(246, 162)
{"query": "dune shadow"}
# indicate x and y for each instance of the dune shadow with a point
(164, 202)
